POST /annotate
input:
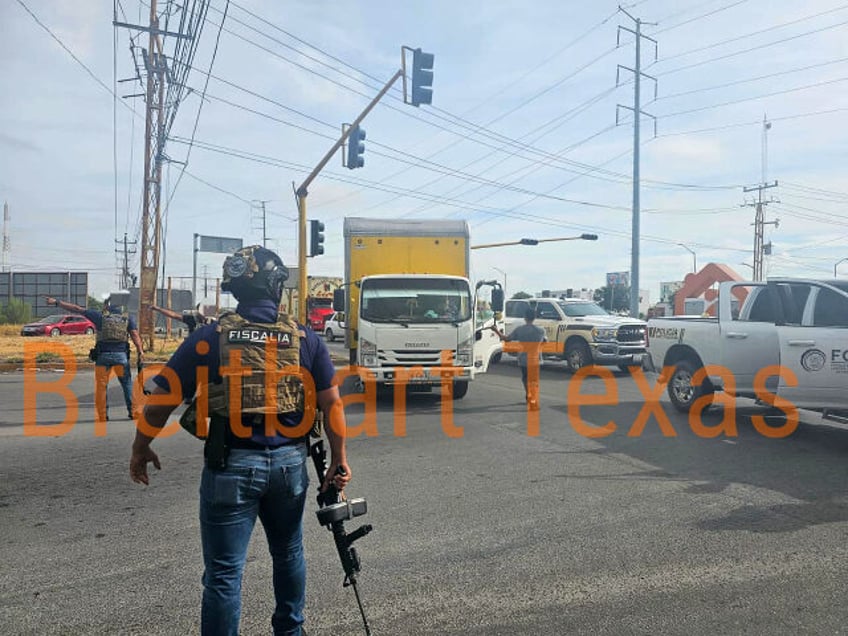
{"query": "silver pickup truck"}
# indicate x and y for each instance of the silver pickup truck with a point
(797, 325)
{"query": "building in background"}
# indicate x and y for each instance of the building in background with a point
(668, 289)
(32, 287)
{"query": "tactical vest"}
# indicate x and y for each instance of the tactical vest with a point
(250, 338)
(113, 328)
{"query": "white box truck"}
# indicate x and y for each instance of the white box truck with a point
(410, 305)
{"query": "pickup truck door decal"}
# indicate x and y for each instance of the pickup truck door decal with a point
(817, 352)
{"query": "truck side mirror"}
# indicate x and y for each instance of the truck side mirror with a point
(339, 299)
(497, 299)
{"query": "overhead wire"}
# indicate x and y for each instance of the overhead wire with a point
(199, 107)
(749, 49)
(748, 36)
(480, 130)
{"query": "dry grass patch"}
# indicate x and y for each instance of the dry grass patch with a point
(12, 345)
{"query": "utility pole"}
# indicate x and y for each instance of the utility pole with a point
(759, 216)
(264, 221)
(155, 64)
(759, 224)
(7, 243)
(637, 113)
(126, 252)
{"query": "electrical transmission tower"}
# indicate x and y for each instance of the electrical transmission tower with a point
(637, 113)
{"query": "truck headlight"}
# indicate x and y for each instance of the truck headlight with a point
(465, 353)
(604, 333)
(367, 353)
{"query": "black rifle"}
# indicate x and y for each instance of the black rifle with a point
(333, 511)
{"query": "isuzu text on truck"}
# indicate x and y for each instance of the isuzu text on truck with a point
(409, 303)
(785, 337)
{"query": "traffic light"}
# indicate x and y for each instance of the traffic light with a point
(356, 148)
(316, 238)
(422, 77)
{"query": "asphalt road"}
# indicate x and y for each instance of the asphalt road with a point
(495, 532)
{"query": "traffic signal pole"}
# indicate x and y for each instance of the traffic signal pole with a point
(303, 191)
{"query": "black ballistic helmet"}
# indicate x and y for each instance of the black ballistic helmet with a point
(254, 273)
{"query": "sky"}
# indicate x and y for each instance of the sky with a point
(521, 139)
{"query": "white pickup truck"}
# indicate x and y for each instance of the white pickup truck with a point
(799, 324)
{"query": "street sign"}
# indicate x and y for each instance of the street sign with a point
(220, 244)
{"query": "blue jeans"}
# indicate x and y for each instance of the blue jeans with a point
(105, 361)
(273, 485)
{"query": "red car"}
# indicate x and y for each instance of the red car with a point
(319, 310)
(59, 325)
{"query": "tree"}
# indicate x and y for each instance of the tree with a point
(15, 312)
(613, 298)
(520, 295)
(95, 304)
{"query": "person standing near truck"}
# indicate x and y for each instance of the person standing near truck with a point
(526, 333)
(112, 349)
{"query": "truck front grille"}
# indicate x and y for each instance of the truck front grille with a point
(405, 358)
(631, 333)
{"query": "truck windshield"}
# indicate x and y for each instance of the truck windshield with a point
(582, 309)
(415, 300)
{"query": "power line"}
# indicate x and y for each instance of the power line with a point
(700, 17)
(752, 48)
(755, 97)
(800, 186)
(748, 36)
(473, 128)
(69, 51)
(755, 122)
(199, 108)
(754, 79)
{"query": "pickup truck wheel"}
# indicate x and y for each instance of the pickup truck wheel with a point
(577, 355)
(495, 359)
(680, 390)
(329, 335)
(460, 388)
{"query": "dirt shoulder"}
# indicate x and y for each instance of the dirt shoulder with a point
(50, 352)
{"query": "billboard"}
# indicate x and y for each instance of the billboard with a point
(32, 287)
(618, 278)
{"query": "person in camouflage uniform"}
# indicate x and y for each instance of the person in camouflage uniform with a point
(112, 351)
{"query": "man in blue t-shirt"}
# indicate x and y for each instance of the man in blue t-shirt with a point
(260, 472)
(114, 330)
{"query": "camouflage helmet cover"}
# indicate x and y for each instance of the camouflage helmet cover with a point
(254, 272)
